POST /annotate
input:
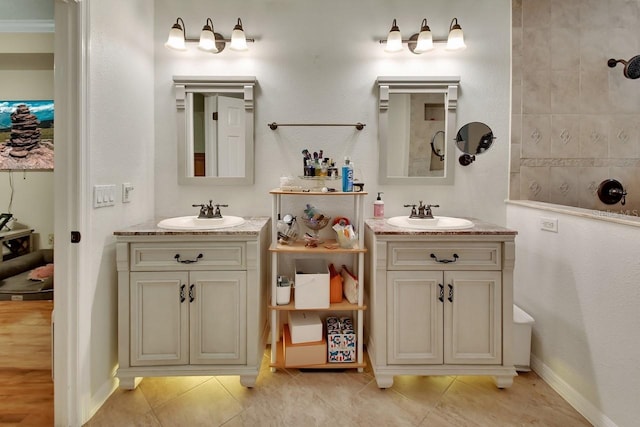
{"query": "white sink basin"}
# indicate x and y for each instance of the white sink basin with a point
(195, 223)
(437, 223)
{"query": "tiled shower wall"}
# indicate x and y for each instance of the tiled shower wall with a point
(575, 121)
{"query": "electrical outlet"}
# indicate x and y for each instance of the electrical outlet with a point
(127, 188)
(50, 239)
(549, 224)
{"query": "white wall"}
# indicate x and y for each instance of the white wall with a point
(581, 287)
(33, 190)
(120, 149)
(318, 62)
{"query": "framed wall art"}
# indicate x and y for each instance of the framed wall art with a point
(26, 135)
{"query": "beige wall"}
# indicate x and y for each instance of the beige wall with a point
(26, 73)
(574, 119)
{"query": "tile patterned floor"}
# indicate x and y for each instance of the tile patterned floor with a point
(299, 398)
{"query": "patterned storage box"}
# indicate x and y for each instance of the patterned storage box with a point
(341, 340)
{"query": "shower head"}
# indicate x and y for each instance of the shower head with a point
(631, 67)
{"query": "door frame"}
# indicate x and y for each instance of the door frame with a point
(70, 212)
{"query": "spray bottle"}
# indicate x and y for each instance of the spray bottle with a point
(378, 207)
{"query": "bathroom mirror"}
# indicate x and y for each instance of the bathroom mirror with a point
(215, 129)
(472, 139)
(417, 121)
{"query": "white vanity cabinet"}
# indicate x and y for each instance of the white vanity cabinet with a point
(192, 302)
(204, 324)
(437, 301)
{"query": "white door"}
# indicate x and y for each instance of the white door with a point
(473, 321)
(211, 134)
(159, 318)
(218, 317)
(414, 310)
(231, 136)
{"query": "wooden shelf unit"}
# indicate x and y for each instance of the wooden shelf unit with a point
(328, 247)
(336, 306)
(279, 362)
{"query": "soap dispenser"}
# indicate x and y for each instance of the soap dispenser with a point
(378, 207)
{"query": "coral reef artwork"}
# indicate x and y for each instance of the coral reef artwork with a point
(26, 135)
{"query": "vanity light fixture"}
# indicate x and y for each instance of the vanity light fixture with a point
(209, 40)
(394, 39)
(456, 36)
(176, 36)
(238, 39)
(423, 41)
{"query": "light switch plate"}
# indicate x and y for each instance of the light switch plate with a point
(104, 195)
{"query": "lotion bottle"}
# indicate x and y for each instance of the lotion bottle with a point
(347, 176)
(378, 207)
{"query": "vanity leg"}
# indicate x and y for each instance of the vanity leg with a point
(129, 383)
(384, 381)
(503, 381)
(248, 380)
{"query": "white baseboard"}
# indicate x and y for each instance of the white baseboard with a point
(101, 396)
(568, 393)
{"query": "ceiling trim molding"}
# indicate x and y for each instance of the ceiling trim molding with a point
(27, 25)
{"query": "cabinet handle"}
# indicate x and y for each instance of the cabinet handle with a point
(192, 292)
(187, 261)
(445, 261)
(182, 297)
(441, 292)
(450, 293)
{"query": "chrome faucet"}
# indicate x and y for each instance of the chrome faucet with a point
(423, 212)
(207, 210)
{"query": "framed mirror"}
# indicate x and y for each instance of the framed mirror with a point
(416, 124)
(215, 129)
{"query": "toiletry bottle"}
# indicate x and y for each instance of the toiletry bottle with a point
(378, 207)
(347, 176)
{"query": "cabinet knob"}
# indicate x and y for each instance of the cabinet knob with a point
(450, 293)
(192, 293)
(441, 292)
(182, 297)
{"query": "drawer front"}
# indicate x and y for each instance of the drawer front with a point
(443, 256)
(188, 256)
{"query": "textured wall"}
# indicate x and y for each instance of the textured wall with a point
(317, 62)
(574, 119)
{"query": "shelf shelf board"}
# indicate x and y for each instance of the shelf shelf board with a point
(345, 305)
(279, 363)
(318, 193)
(329, 246)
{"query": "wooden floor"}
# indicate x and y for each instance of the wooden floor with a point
(26, 387)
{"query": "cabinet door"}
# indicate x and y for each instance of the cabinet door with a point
(473, 321)
(159, 320)
(414, 312)
(218, 317)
